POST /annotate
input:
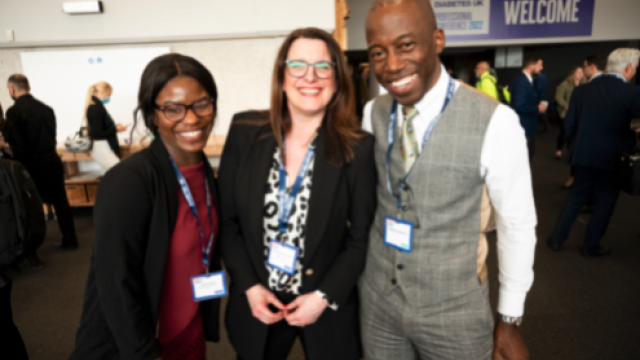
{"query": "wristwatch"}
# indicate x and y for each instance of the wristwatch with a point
(517, 321)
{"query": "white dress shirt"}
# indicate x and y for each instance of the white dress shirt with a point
(504, 165)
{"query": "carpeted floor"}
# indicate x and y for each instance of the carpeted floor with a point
(577, 309)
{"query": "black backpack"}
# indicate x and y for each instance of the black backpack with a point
(23, 225)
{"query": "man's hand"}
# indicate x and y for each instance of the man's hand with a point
(508, 344)
(259, 299)
(542, 108)
(121, 128)
(305, 309)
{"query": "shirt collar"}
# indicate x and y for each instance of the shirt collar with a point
(528, 76)
(436, 95)
(595, 76)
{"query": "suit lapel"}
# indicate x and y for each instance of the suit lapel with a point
(260, 160)
(324, 182)
(168, 174)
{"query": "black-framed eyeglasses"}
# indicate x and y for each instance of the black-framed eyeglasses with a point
(299, 68)
(177, 112)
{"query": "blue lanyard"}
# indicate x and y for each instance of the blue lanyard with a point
(286, 201)
(184, 186)
(391, 137)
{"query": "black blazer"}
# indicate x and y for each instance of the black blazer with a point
(35, 124)
(524, 101)
(134, 216)
(342, 206)
(598, 121)
(96, 114)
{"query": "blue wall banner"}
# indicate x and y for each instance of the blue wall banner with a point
(464, 20)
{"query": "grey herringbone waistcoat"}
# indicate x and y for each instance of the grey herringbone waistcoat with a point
(446, 193)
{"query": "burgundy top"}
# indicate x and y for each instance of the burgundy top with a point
(181, 332)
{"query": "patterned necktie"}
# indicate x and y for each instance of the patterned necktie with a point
(409, 148)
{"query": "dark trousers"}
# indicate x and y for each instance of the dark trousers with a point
(603, 187)
(282, 336)
(562, 137)
(11, 344)
(531, 146)
(48, 174)
(544, 119)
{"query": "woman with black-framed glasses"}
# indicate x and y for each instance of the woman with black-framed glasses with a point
(155, 278)
(298, 198)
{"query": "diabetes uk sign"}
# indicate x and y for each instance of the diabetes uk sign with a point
(464, 20)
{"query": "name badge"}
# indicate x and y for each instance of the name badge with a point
(398, 233)
(209, 286)
(282, 257)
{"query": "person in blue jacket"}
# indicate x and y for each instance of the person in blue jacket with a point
(524, 99)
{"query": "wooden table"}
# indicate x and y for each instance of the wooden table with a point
(82, 186)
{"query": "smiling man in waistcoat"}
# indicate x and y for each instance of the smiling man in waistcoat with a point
(442, 150)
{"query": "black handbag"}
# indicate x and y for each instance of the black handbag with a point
(629, 171)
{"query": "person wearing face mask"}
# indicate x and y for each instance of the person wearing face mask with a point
(31, 133)
(155, 277)
(298, 197)
(103, 130)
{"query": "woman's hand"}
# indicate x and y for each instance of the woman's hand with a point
(305, 309)
(259, 299)
(120, 128)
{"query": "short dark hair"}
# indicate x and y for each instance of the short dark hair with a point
(530, 59)
(600, 61)
(20, 82)
(158, 73)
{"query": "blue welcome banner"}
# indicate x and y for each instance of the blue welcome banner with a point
(465, 20)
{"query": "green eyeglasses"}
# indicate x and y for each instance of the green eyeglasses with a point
(321, 69)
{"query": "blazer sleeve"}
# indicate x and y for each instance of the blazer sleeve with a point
(561, 99)
(122, 216)
(339, 280)
(234, 252)
(12, 135)
(571, 118)
(519, 101)
(95, 118)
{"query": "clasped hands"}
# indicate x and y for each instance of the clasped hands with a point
(304, 310)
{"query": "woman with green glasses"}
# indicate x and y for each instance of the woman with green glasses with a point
(298, 199)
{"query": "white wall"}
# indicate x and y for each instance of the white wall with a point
(613, 20)
(42, 22)
(237, 40)
(241, 67)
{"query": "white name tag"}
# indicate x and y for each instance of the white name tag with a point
(282, 257)
(398, 233)
(209, 286)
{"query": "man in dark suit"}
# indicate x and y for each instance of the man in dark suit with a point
(541, 84)
(524, 99)
(598, 125)
(34, 145)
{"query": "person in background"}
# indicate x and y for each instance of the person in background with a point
(486, 82)
(598, 123)
(33, 142)
(156, 226)
(594, 66)
(298, 198)
(5, 148)
(524, 99)
(451, 72)
(563, 94)
(541, 84)
(440, 148)
(103, 130)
